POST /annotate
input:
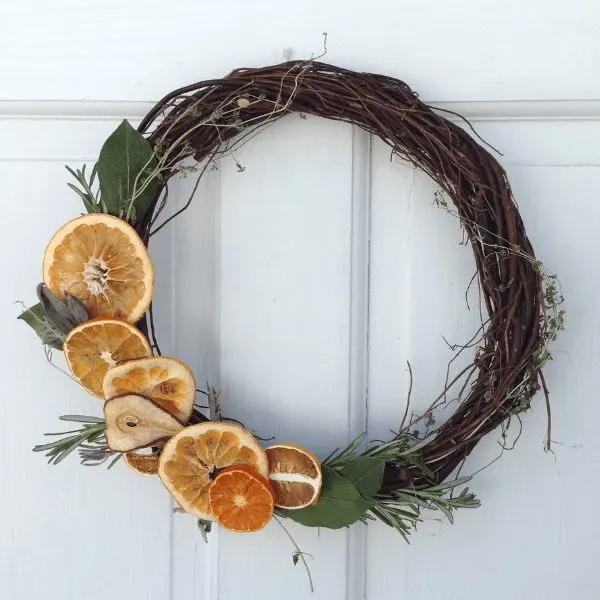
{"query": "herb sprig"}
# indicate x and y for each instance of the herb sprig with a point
(90, 436)
(352, 480)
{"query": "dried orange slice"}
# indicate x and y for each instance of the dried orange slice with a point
(241, 500)
(168, 381)
(295, 476)
(94, 346)
(100, 260)
(144, 464)
(192, 459)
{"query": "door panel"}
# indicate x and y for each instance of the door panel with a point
(309, 269)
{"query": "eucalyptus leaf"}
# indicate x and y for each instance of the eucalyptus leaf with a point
(65, 316)
(50, 334)
(340, 504)
(365, 473)
(127, 171)
(77, 309)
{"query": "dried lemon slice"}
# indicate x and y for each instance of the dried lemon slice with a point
(167, 381)
(101, 260)
(192, 459)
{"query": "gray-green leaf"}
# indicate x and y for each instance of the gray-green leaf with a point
(77, 309)
(65, 316)
(127, 173)
(365, 473)
(339, 505)
(48, 332)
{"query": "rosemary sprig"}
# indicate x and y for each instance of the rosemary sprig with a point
(402, 509)
(91, 435)
(91, 199)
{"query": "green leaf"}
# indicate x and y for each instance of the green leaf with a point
(339, 505)
(127, 170)
(48, 332)
(365, 473)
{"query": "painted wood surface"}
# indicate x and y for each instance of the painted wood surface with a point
(301, 286)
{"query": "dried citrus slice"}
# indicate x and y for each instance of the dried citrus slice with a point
(144, 464)
(241, 500)
(94, 346)
(102, 261)
(167, 381)
(191, 460)
(295, 476)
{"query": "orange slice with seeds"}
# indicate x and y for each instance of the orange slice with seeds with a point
(94, 346)
(295, 476)
(192, 459)
(101, 260)
(241, 500)
(167, 381)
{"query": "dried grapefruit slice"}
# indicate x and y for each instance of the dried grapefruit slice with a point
(144, 464)
(168, 381)
(295, 476)
(241, 500)
(100, 260)
(191, 460)
(94, 346)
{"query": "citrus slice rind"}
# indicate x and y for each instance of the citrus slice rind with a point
(134, 422)
(94, 346)
(241, 500)
(295, 476)
(191, 459)
(143, 464)
(169, 382)
(101, 260)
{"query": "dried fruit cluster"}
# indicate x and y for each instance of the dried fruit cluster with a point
(97, 266)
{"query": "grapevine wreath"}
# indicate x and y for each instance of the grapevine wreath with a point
(98, 282)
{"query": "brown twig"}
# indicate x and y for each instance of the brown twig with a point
(210, 118)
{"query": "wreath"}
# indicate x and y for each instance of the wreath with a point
(96, 306)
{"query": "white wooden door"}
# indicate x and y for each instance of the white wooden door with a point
(301, 286)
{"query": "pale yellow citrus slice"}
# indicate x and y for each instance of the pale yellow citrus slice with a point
(167, 381)
(192, 459)
(94, 346)
(295, 476)
(101, 260)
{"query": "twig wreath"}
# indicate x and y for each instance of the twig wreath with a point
(98, 283)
